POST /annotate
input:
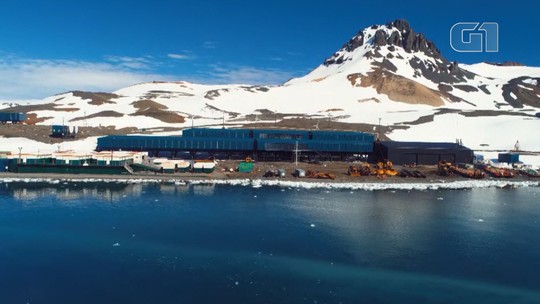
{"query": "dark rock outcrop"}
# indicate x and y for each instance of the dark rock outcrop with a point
(484, 89)
(466, 88)
(444, 87)
(440, 71)
(386, 65)
(405, 37)
(522, 91)
(380, 38)
(96, 98)
(506, 63)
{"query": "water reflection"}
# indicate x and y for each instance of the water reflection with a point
(429, 232)
(110, 192)
(390, 226)
(204, 189)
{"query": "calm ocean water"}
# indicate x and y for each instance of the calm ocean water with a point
(134, 243)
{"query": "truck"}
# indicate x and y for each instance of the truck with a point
(14, 118)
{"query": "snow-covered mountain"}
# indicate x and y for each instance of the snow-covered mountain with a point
(386, 74)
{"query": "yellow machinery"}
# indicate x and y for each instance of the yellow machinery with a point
(383, 169)
(363, 169)
(353, 171)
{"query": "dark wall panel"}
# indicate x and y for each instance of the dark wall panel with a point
(428, 159)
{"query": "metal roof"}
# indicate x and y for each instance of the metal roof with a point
(423, 145)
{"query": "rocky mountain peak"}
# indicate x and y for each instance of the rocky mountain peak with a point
(406, 38)
(400, 24)
(385, 46)
(397, 33)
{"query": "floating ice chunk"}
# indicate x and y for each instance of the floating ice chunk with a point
(116, 244)
(480, 220)
(236, 283)
(440, 198)
(312, 225)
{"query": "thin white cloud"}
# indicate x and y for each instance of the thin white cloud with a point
(209, 45)
(179, 56)
(135, 63)
(250, 75)
(23, 78)
(290, 53)
(34, 78)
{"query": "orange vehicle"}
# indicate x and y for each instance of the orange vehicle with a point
(499, 172)
(319, 175)
(383, 169)
(470, 173)
(353, 171)
(363, 169)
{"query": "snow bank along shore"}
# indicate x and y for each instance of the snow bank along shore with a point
(257, 183)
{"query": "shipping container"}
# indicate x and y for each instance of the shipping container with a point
(203, 167)
(9, 117)
(299, 173)
(4, 164)
(245, 167)
(508, 158)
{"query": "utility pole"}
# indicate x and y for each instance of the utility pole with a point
(379, 137)
(296, 154)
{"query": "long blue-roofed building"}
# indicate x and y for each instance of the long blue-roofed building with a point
(262, 144)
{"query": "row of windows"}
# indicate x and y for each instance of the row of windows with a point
(284, 136)
(276, 134)
(174, 144)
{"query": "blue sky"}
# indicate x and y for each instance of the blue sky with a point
(48, 47)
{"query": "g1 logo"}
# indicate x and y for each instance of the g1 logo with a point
(473, 36)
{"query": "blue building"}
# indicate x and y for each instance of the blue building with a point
(262, 144)
(60, 131)
(423, 153)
